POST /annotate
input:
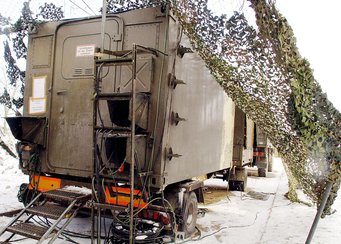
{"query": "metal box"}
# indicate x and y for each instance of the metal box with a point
(188, 118)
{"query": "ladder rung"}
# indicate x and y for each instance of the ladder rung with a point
(127, 52)
(114, 128)
(120, 96)
(121, 134)
(66, 196)
(110, 206)
(122, 176)
(28, 230)
(47, 210)
(146, 173)
(115, 134)
(116, 53)
(114, 61)
(119, 178)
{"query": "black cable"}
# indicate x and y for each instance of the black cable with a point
(215, 232)
(44, 223)
(164, 206)
(97, 90)
(68, 239)
(79, 7)
(89, 7)
(203, 237)
(33, 170)
(68, 232)
(105, 226)
(39, 223)
(115, 183)
(121, 234)
(107, 238)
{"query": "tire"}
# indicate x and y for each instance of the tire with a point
(190, 214)
(236, 185)
(209, 175)
(26, 195)
(232, 185)
(261, 172)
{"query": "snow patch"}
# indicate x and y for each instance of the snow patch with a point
(238, 218)
(77, 189)
(142, 237)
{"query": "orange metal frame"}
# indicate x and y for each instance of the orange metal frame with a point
(123, 197)
(44, 183)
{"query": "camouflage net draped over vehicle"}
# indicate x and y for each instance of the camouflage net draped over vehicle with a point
(264, 74)
(16, 33)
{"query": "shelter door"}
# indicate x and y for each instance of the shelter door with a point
(71, 110)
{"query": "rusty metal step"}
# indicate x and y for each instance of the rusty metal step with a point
(48, 210)
(28, 230)
(66, 196)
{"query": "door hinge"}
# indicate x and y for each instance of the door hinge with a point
(176, 118)
(170, 154)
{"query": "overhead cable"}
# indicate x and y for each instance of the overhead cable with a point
(79, 7)
(89, 7)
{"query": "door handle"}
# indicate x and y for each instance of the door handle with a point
(61, 92)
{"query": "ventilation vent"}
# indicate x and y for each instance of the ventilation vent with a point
(77, 71)
(88, 72)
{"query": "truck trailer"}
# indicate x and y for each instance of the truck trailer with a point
(130, 112)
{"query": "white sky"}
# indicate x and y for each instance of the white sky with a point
(315, 24)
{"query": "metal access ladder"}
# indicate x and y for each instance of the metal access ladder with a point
(56, 204)
(117, 58)
(120, 58)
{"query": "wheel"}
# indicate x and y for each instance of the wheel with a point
(26, 195)
(190, 214)
(261, 172)
(209, 175)
(237, 185)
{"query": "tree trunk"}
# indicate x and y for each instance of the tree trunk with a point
(7, 149)
(292, 185)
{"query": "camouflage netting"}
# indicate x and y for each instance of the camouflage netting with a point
(263, 72)
(16, 33)
(11, 95)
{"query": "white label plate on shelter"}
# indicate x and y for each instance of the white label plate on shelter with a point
(85, 50)
(37, 105)
(38, 88)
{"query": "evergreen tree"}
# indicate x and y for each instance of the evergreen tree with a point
(12, 96)
(16, 33)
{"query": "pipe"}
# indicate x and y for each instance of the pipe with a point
(132, 147)
(319, 212)
(104, 15)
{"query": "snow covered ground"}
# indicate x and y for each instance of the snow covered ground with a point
(261, 214)
(11, 178)
(245, 218)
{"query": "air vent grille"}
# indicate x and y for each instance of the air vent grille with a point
(89, 72)
(77, 71)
